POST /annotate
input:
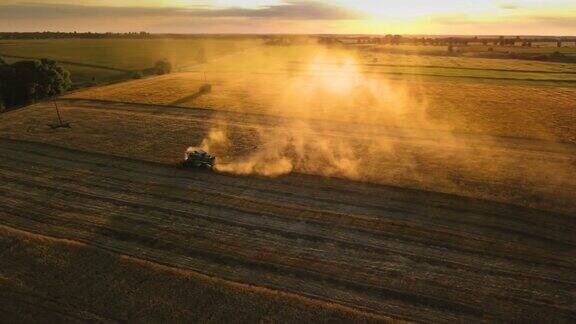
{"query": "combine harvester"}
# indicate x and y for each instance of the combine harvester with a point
(198, 158)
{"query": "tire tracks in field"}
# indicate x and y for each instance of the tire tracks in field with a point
(332, 280)
(284, 222)
(150, 266)
(389, 224)
(212, 263)
(277, 222)
(397, 226)
(247, 184)
(299, 237)
(135, 215)
(24, 196)
(366, 223)
(361, 205)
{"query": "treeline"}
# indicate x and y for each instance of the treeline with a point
(25, 82)
(160, 68)
(447, 41)
(87, 35)
(134, 35)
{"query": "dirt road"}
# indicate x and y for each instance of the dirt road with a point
(402, 253)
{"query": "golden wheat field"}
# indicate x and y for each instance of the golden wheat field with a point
(378, 58)
(301, 82)
(343, 191)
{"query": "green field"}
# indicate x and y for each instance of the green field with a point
(82, 75)
(123, 54)
(109, 60)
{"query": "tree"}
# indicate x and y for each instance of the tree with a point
(163, 67)
(5, 73)
(28, 81)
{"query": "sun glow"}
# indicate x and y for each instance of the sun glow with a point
(417, 8)
(247, 4)
(506, 17)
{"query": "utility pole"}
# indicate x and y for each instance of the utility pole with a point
(60, 124)
(57, 111)
(206, 87)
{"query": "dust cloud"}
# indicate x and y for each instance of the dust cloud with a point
(336, 120)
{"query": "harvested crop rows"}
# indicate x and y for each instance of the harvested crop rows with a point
(400, 253)
(492, 109)
(56, 280)
(532, 173)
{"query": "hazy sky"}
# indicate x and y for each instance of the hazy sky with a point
(511, 17)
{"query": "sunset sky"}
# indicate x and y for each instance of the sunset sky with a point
(494, 17)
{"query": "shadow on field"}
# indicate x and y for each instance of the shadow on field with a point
(47, 279)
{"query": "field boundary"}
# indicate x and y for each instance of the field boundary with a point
(431, 75)
(442, 67)
(539, 82)
(85, 103)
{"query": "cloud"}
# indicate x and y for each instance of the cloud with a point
(513, 24)
(289, 16)
(301, 10)
(304, 10)
(509, 6)
(565, 22)
(63, 11)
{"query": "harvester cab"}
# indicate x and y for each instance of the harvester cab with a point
(198, 158)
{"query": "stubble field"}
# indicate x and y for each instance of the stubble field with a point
(339, 195)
